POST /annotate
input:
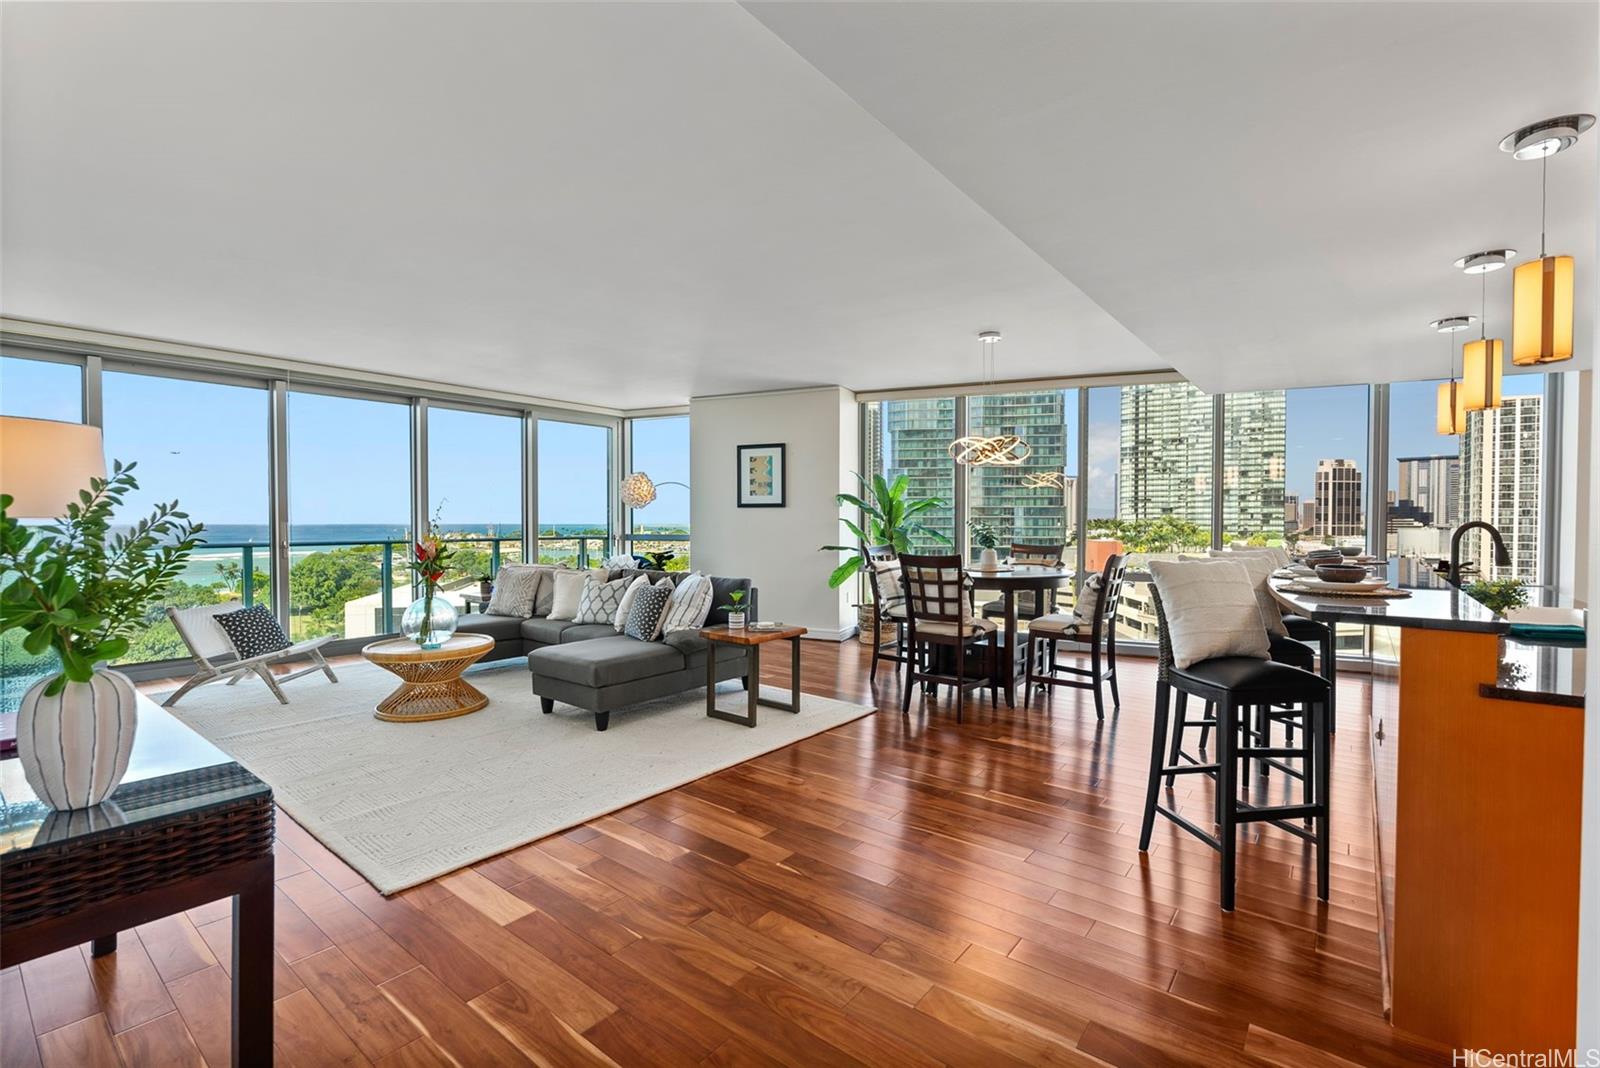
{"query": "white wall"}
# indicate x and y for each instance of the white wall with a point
(777, 547)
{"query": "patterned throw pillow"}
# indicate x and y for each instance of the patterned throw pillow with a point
(893, 595)
(635, 584)
(691, 603)
(599, 600)
(514, 591)
(644, 615)
(252, 631)
(1089, 598)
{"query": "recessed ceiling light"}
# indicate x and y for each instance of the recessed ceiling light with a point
(1547, 137)
(1451, 323)
(1488, 260)
(989, 337)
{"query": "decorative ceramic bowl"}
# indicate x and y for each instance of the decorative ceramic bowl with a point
(1351, 550)
(1341, 572)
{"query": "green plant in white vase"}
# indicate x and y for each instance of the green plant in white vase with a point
(735, 608)
(82, 591)
(987, 541)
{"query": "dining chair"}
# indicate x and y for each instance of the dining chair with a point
(888, 597)
(939, 620)
(1232, 685)
(1097, 629)
(1028, 602)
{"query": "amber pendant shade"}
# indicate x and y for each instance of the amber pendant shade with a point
(1452, 411)
(1480, 373)
(1541, 311)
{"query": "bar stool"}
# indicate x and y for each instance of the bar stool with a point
(1322, 636)
(889, 606)
(1232, 684)
(1282, 651)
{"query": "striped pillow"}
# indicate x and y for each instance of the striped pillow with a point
(691, 603)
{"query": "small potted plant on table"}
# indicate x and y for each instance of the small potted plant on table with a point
(985, 538)
(735, 608)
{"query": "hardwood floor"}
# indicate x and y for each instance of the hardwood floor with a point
(897, 891)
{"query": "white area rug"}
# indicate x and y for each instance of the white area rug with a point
(403, 803)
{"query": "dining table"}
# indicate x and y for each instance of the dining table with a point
(1008, 581)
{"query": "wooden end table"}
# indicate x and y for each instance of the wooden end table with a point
(752, 640)
(431, 686)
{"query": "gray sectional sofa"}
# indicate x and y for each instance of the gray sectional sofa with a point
(596, 668)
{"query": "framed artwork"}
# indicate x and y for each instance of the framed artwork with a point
(762, 474)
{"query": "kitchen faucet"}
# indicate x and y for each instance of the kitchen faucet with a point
(1501, 557)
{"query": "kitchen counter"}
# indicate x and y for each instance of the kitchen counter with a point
(1477, 802)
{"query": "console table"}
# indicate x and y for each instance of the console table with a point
(186, 826)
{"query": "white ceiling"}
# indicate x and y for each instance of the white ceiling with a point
(632, 204)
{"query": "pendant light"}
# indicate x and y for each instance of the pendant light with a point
(1482, 361)
(1451, 411)
(1541, 289)
(1000, 450)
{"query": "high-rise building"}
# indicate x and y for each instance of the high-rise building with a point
(912, 437)
(1164, 467)
(1433, 486)
(1501, 480)
(1338, 493)
(1308, 515)
(1254, 461)
(1291, 512)
(997, 495)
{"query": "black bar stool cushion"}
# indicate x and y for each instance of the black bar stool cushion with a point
(1244, 676)
(1302, 629)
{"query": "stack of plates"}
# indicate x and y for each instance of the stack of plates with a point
(1317, 585)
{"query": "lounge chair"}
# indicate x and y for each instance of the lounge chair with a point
(214, 652)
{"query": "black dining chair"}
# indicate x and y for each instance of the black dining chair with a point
(1232, 685)
(1046, 632)
(889, 606)
(939, 617)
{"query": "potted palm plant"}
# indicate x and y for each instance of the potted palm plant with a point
(889, 517)
(81, 591)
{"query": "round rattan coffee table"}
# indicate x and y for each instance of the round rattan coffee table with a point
(431, 686)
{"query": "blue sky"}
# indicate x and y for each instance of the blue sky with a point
(207, 445)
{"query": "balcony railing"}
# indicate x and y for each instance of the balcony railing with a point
(346, 589)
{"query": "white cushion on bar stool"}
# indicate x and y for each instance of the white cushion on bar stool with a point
(974, 628)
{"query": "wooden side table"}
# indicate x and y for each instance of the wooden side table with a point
(752, 640)
(431, 686)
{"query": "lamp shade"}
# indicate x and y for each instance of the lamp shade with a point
(638, 490)
(1541, 311)
(44, 464)
(1480, 373)
(1451, 417)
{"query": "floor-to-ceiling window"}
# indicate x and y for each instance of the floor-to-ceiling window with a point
(33, 389)
(349, 515)
(912, 438)
(205, 445)
(1034, 503)
(575, 492)
(1149, 493)
(660, 450)
(1494, 472)
(475, 489)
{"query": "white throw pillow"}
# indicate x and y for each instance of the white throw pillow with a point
(1089, 598)
(690, 605)
(515, 589)
(621, 619)
(599, 600)
(1260, 565)
(1211, 610)
(891, 591)
(568, 592)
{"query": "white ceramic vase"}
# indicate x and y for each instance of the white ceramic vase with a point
(74, 747)
(988, 559)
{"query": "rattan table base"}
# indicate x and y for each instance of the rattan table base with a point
(431, 686)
